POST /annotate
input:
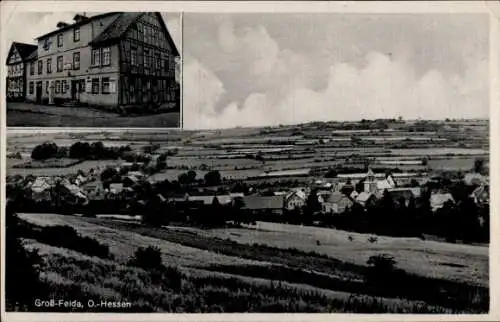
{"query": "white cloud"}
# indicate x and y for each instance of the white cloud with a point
(278, 86)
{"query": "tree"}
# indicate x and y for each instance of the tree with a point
(312, 205)
(44, 151)
(479, 165)
(80, 150)
(187, 177)
(21, 267)
(213, 178)
(108, 174)
(147, 258)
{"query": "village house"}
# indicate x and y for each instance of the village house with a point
(336, 203)
(112, 60)
(295, 200)
(365, 199)
(71, 194)
(401, 197)
(481, 195)
(94, 190)
(17, 62)
(439, 199)
(264, 205)
(40, 189)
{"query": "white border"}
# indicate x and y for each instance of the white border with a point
(451, 7)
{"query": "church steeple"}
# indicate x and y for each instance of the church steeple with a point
(370, 183)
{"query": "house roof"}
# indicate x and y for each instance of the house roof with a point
(335, 197)
(33, 56)
(364, 196)
(384, 184)
(471, 178)
(208, 200)
(263, 202)
(438, 199)
(120, 26)
(79, 23)
(416, 191)
(24, 50)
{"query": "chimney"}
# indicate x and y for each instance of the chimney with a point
(80, 17)
(62, 24)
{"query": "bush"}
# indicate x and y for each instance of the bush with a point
(21, 268)
(147, 258)
(67, 237)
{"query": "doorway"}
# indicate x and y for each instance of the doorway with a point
(39, 92)
(75, 90)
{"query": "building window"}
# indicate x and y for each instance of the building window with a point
(96, 57)
(47, 87)
(32, 68)
(95, 85)
(59, 63)
(146, 59)
(105, 85)
(106, 56)
(82, 85)
(40, 67)
(49, 65)
(58, 87)
(59, 40)
(63, 87)
(32, 87)
(133, 57)
(158, 62)
(76, 61)
(76, 34)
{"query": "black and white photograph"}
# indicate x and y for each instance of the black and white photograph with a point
(327, 162)
(88, 69)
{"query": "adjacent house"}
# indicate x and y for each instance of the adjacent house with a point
(93, 189)
(295, 199)
(114, 60)
(366, 199)
(336, 203)
(273, 205)
(474, 179)
(401, 197)
(40, 189)
(17, 61)
(481, 195)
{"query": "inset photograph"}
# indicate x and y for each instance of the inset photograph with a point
(80, 69)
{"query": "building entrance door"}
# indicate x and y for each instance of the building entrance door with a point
(39, 92)
(75, 90)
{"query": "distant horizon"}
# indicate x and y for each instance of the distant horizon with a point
(285, 68)
(32, 132)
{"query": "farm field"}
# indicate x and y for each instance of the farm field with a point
(259, 256)
(233, 152)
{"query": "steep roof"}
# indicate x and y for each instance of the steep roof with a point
(79, 23)
(33, 56)
(24, 50)
(335, 197)
(120, 26)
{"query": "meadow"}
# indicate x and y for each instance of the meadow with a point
(263, 268)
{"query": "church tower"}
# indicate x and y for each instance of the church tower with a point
(370, 183)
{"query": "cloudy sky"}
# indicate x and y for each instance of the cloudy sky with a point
(26, 26)
(270, 69)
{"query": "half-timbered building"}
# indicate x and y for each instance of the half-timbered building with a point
(16, 70)
(117, 60)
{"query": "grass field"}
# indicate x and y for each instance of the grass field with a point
(273, 267)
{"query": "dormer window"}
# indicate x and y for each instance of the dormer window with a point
(76, 34)
(59, 40)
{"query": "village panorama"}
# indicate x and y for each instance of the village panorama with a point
(373, 216)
